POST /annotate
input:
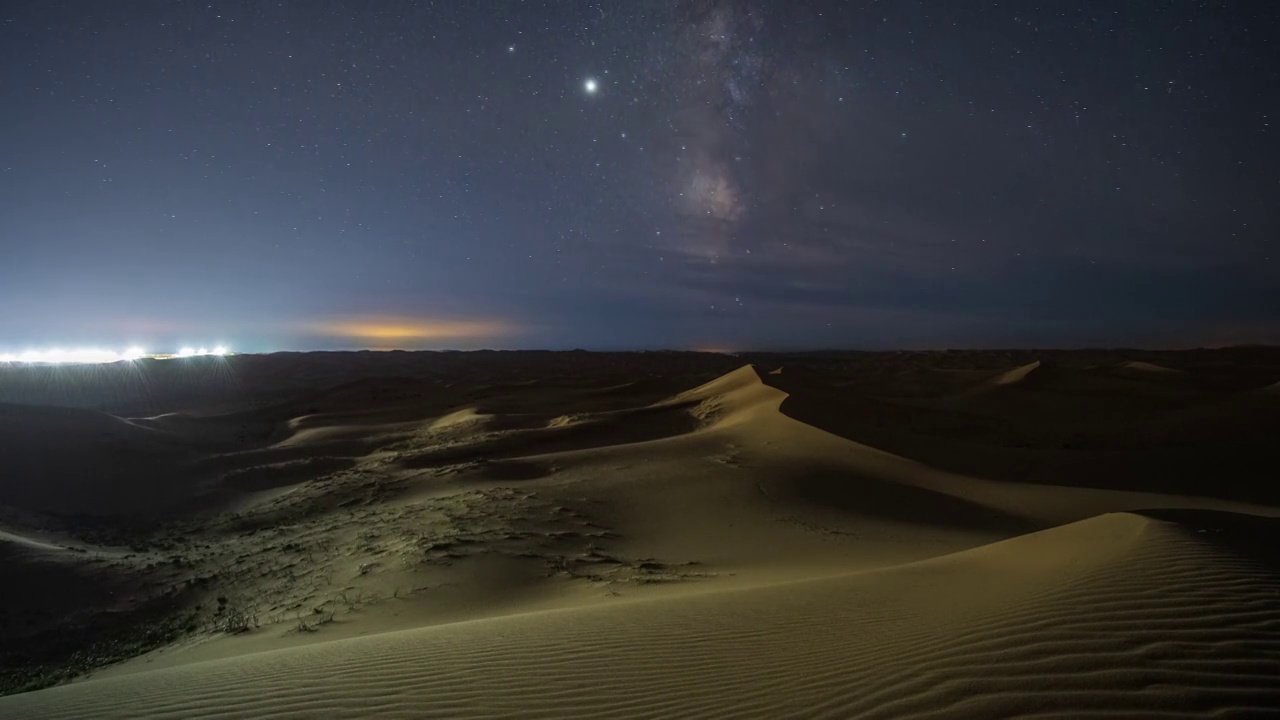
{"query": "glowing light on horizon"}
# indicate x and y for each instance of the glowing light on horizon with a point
(217, 351)
(73, 356)
(98, 356)
(412, 329)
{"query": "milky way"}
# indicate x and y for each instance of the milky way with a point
(717, 60)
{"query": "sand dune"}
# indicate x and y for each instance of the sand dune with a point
(1116, 615)
(1071, 426)
(1016, 375)
(737, 543)
(1146, 367)
(71, 460)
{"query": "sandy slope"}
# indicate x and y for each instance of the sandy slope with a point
(594, 554)
(1119, 614)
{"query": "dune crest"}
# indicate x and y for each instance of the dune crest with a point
(731, 398)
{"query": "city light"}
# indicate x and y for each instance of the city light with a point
(75, 355)
(189, 352)
(98, 356)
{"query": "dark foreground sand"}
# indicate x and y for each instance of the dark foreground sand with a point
(964, 534)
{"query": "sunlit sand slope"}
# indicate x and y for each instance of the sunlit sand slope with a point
(1116, 615)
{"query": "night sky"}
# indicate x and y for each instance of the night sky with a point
(688, 174)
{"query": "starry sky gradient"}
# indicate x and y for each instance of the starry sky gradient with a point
(686, 174)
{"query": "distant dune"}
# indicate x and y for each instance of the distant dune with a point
(1140, 366)
(1016, 375)
(652, 537)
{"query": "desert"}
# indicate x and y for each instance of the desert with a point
(639, 359)
(552, 534)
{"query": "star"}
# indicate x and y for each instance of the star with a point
(591, 86)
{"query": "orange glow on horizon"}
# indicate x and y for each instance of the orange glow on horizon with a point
(402, 328)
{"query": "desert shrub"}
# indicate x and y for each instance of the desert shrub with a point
(236, 620)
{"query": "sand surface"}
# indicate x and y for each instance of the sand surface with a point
(997, 534)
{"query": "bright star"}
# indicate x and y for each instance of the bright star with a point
(591, 86)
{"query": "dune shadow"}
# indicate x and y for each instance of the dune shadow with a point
(837, 489)
(515, 470)
(1251, 536)
(1110, 438)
